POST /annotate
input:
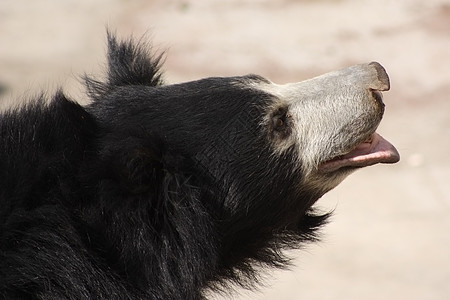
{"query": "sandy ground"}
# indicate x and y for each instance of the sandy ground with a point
(389, 238)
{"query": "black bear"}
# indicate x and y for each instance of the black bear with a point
(157, 191)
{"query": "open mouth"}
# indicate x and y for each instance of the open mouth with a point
(372, 151)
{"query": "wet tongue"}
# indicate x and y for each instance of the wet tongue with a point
(377, 150)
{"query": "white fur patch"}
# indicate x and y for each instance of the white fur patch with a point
(327, 114)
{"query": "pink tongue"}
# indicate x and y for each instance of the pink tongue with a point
(366, 154)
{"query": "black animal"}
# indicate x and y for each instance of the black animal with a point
(158, 191)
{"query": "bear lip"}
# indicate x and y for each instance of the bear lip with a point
(373, 151)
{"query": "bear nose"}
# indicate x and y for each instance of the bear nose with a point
(380, 81)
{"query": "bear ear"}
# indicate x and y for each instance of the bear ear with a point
(133, 63)
(129, 63)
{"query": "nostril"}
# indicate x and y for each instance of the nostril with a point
(377, 96)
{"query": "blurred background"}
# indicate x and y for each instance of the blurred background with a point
(390, 235)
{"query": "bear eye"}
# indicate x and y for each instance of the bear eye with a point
(280, 120)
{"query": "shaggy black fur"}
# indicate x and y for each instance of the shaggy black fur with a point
(152, 191)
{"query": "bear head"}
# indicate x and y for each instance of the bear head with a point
(231, 165)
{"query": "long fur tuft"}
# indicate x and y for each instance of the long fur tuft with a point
(129, 63)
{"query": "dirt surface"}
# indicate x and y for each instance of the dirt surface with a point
(389, 237)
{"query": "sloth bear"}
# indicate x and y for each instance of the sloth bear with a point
(157, 191)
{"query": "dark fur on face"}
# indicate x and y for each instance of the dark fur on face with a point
(153, 191)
